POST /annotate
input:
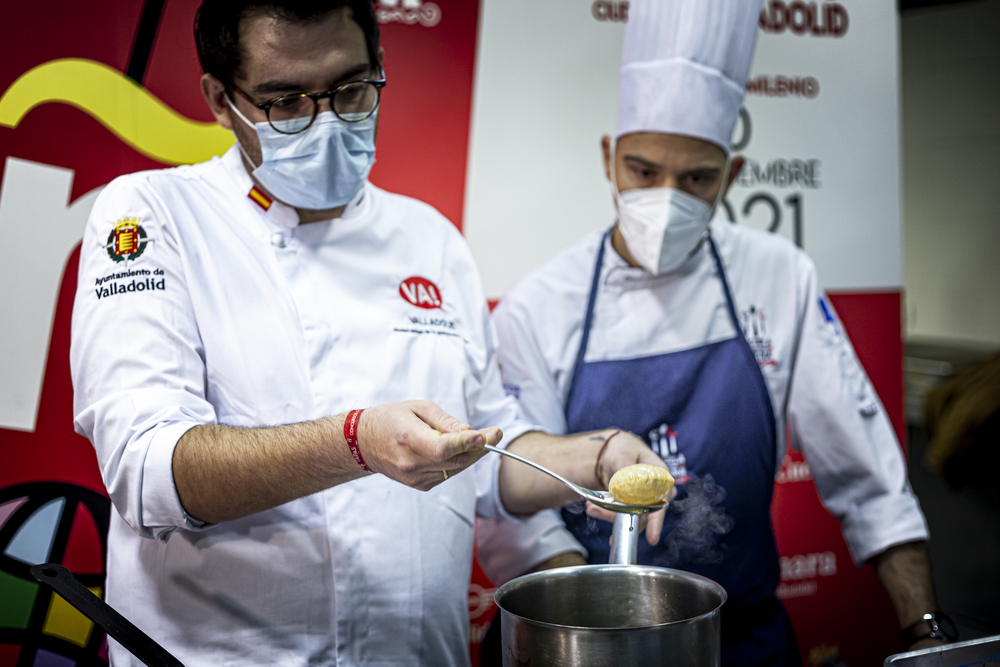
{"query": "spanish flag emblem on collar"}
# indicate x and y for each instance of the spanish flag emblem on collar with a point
(260, 198)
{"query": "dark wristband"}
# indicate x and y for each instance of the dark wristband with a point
(936, 625)
(600, 456)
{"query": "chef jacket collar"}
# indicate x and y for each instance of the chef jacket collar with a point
(279, 214)
(619, 273)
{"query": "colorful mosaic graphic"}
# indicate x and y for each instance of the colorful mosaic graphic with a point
(50, 522)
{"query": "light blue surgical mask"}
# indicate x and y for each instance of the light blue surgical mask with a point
(322, 167)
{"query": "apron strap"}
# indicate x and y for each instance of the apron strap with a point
(725, 285)
(592, 299)
(588, 319)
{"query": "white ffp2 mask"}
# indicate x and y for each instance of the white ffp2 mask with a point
(661, 226)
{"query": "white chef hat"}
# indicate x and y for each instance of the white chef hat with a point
(685, 65)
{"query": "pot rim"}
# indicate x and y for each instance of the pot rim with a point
(575, 568)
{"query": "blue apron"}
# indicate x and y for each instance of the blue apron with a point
(706, 412)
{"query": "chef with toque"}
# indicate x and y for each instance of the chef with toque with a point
(707, 339)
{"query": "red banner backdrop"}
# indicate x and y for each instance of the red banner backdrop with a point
(841, 613)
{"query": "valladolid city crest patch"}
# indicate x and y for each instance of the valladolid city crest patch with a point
(127, 241)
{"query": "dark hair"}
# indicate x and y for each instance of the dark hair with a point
(217, 28)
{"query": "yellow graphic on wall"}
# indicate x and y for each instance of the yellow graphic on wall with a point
(135, 115)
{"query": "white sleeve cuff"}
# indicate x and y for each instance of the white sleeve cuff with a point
(488, 503)
(507, 550)
(162, 512)
(883, 522)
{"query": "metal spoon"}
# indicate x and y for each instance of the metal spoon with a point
(600, 498)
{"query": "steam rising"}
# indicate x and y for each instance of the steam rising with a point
(692, 526)
(579, 507)
(696, 522)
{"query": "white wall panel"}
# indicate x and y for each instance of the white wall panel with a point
(546, 86)
(545, 92)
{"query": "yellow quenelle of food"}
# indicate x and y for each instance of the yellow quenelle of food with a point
(641, 484)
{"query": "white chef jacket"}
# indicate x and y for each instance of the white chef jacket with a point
(245, 318)
(812, 373)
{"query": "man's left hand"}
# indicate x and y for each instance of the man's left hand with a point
(626, 449)
(588, 459)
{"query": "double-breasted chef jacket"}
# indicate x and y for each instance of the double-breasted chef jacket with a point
(814, 380)
(200, 301)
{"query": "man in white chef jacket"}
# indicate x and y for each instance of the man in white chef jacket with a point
(249, 336)
(705, 338)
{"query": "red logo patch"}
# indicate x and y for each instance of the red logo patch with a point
(420, 292)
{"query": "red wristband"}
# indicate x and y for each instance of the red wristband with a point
(351, 435)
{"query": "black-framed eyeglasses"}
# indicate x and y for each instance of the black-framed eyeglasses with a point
(352, 102)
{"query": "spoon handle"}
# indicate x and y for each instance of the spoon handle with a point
(583, 492)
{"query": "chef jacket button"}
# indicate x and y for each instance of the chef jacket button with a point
(278, 240)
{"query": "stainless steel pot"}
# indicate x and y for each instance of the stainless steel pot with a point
(611, 615)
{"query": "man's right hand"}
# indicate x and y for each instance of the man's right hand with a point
(415, 442)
